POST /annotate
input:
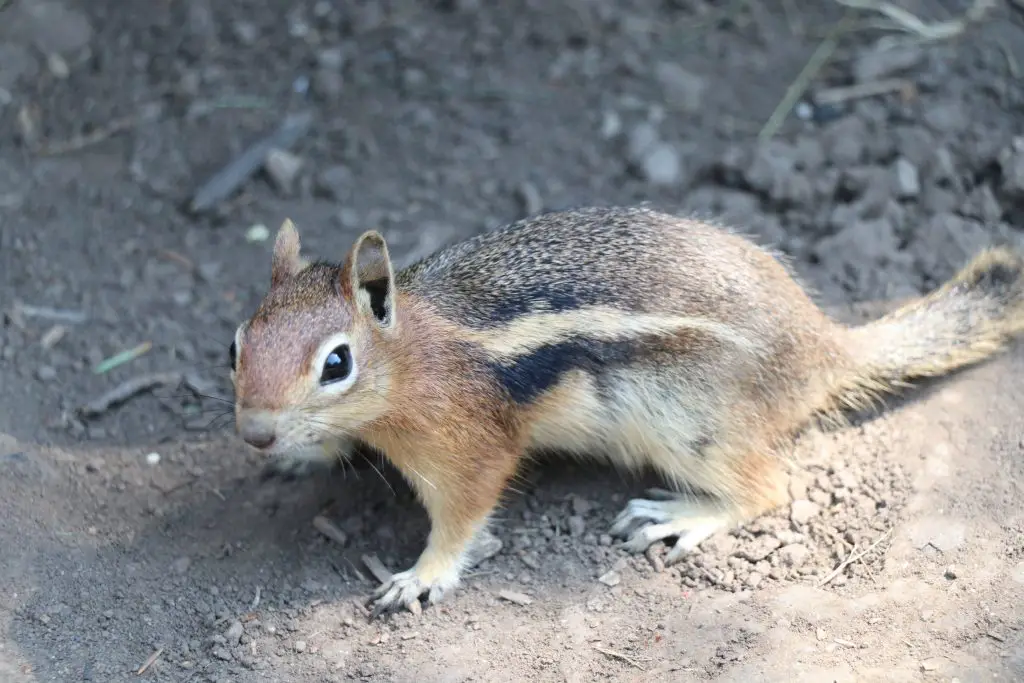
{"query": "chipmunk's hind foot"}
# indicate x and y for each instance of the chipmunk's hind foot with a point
(667, 514)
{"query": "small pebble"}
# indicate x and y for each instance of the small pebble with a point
(529, 196)
(611, 579)
(951, 572)
(803, 511)
(152, 458)
(257, 233)
(300, 646)
(283, 168)
(46, 373)
(52, 337)
(662, 165)
(577, 526)
(57, 66)
(234, 632)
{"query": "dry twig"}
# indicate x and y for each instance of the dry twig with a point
(327, 528)
(853, 557)
(127, 389)
(377, 568)
(902, 20)
(239, 170)
(618, 655)
(798, 87)
(80, 142)
(150, 661)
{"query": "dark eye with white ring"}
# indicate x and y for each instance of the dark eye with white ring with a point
(338, 365)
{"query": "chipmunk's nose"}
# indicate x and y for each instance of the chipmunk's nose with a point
(258, 428)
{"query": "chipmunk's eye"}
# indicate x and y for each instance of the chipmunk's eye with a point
(233, 353)
(338, 365)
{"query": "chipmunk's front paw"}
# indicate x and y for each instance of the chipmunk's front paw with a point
(405, 588)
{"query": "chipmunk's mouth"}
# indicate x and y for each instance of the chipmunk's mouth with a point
(311, 451)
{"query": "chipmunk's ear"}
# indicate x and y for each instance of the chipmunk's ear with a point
(286, 261)
(368, 278)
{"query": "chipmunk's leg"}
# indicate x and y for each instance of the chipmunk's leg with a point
(739, 487)
(459, 494)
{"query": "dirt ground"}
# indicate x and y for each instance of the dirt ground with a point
(147, 529)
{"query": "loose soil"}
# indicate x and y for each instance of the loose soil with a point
(148, 528)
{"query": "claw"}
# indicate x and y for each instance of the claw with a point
(404, 589)
(644, 522)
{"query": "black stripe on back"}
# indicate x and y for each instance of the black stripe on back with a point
(530, 375)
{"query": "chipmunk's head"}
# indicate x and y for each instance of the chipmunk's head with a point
(312, 364)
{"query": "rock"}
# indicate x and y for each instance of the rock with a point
(951, 573)
(880, 61)
(760, 548)
(844, 141)
(328, 84)
(577, 526)
(331, 58)
(916, 144)
(754, 579)
(947, 241)
(656, 161)
(662, 165)
(529, 197)
(1011, 162)
(335, 182)
(46, 373)
(48, 25)
(798, 487)
(865, 257)
(283, 168)
(936, 200)
(611, 124)
(682, 90)
(16, 62)
(611, 578)
(946, 117)
(300, 646)
(719, 545)
(581, 506)
(58, 66)
(944, 170)
(246, 32)
(773, 172)
(640, 140)
(793, 555)
(234, 633)
(803, 511)
(907, 180)
(982, 204)
(181, 565)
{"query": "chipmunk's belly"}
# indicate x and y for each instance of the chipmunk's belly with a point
(569, 417)
(635, 420)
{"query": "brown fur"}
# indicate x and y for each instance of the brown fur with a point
(650, 340)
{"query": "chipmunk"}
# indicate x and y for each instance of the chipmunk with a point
(645, 339)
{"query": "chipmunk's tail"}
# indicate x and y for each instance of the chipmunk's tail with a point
(968, 319)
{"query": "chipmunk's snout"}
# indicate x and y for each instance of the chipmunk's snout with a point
(258, 428)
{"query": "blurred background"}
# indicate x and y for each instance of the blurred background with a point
(149, 151)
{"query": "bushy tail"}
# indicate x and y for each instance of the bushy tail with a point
(968, 319)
